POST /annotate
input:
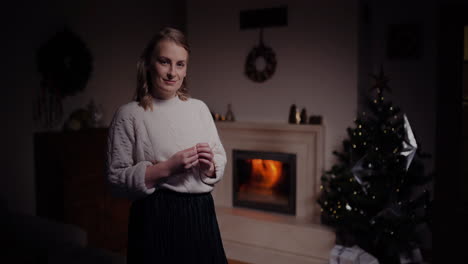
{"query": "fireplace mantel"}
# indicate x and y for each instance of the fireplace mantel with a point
(261, 237)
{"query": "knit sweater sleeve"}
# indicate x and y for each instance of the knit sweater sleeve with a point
(125, 176)
(215, 144)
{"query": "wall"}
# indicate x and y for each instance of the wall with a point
(322, 65)
(114, 32)
(316, 54)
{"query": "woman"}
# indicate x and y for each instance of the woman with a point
(165, 154)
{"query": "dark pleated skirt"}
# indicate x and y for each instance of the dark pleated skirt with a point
(171, 227)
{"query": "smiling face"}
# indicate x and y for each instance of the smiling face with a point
(169, 69)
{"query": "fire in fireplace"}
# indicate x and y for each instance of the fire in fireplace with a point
(264, 181)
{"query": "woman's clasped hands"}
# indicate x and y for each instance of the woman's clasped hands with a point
(199, 156)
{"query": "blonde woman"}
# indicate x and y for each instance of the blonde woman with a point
(164, 153)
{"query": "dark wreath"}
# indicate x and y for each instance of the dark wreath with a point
(270, 59)
(65, 64)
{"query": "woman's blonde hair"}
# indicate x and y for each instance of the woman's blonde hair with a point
(146, 62)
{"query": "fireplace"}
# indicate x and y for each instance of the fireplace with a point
(264, 181)
(259, 234)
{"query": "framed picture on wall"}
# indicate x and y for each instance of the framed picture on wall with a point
(404, 41)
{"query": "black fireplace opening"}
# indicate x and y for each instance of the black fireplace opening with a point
(264, 181)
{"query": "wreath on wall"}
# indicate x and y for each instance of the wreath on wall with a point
(65, 65)
(258, 55)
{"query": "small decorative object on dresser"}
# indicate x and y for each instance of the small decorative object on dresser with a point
(96, 114)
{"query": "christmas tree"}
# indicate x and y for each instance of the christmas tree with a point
(374, 197)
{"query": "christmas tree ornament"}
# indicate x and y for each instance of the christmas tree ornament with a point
(362, 173)
(409, 143)
(381, 81)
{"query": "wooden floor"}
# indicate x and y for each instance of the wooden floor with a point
(231, 261)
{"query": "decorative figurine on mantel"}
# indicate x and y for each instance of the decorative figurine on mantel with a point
(230, 114)
(303, 116)
(293, 114)
(294, 117)
(315, 120)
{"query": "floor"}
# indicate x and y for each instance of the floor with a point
(231, 261)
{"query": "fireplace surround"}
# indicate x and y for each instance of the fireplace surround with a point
(258, 236)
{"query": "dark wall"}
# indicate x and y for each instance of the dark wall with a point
(114, 31)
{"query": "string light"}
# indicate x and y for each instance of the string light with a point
(354, 145)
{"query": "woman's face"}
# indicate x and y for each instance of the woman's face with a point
(170, 68)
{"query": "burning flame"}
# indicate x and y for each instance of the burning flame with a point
(264, 175)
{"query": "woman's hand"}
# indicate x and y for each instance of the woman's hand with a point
(183, 160)
(179, 162)
(205, 159)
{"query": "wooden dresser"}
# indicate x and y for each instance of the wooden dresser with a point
(71, 186)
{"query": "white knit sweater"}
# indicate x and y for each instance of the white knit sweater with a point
(138, 137)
